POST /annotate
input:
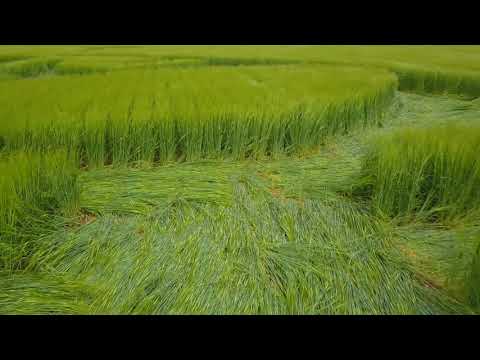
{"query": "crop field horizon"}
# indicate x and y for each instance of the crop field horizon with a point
(240, 180)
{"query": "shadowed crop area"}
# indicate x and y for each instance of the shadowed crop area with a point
(239, 180)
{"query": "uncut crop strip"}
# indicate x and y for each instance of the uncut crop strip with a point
(424, 80)
(425, 69)
(170, 115)
(36, 191)
(431, 172)
(29, 68)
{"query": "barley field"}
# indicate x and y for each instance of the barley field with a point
(246, 180)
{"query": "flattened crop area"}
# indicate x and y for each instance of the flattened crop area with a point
(219, 185)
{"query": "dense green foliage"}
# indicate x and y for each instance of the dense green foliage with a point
(239, 180)
(35, 189)
(165, 115)
(453, 69)
(432, 172)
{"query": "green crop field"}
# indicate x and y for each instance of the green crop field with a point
(240, 180)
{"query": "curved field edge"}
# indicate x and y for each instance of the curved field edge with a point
(192, 114)
(427, 180)
(86, 295)
(431, 172)
(261, 219)
(426, 69)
